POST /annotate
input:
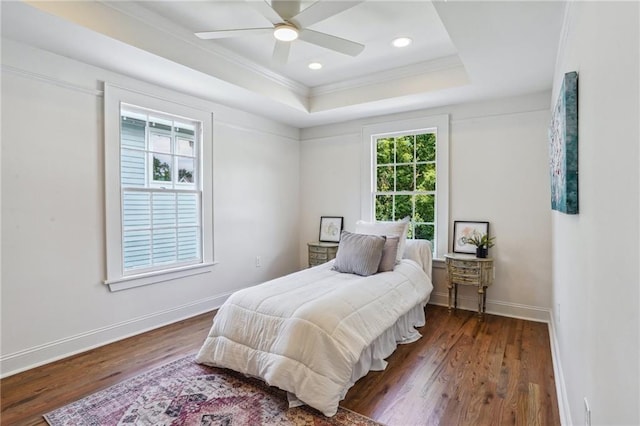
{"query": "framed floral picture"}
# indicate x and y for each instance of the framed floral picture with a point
(330, 229)
(462, 230)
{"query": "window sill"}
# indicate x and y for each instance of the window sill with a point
(140, 280)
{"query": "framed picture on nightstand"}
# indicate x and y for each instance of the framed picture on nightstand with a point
(330, 229)
(466, 229)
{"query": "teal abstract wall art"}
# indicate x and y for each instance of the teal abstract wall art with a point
(563, 147)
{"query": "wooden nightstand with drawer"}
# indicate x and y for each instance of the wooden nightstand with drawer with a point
(320, 253)
(469, 270)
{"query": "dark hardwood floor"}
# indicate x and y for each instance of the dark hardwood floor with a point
(462, 372)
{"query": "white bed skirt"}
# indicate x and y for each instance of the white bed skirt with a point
(373, 357)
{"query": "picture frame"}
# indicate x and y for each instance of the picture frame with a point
(563, 147)
(466, 228)
(330, 229)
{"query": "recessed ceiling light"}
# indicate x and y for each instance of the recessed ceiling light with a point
(315, 65)
(285, 32)
(401, 42)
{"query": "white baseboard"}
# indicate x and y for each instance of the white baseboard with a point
(496, 307)
(532, 313)
(561, 389)
(43, 354)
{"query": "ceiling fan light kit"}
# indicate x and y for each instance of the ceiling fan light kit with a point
(285, 32)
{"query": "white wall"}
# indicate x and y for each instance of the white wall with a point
(498, 173)
(595, 253)
(53, 300)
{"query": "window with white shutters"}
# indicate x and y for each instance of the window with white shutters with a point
(160, 191)
(158, 188)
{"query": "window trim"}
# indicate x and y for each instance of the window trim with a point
(439, 123)
(116, 279)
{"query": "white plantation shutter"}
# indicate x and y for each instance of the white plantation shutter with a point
(158, 168)
(161, 197)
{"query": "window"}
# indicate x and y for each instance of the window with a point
(161, 196)
(406, 175)
(158, 173)
(405, 184)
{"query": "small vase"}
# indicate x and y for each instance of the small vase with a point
(481, 252)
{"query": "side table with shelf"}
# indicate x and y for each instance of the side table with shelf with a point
(320, 253)
(469, 270)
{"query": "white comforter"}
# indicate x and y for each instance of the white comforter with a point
(304, 332)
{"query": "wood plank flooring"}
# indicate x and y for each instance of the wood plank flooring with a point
(462, 372)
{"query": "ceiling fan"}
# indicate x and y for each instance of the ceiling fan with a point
(290, 23)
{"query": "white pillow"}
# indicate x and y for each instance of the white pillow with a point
(388, 229)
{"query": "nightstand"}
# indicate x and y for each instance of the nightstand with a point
(320, 253)
(469, 270)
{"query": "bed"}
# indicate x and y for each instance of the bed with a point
(315, 332)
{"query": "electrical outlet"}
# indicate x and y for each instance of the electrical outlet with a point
(258, 261)
(587, 413)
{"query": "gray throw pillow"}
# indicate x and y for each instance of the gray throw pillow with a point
(359, 254)
(389, 252)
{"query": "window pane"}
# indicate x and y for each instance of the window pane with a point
(135, 247)
(188, 209)
(184, 128)
(132, 168)
(424, 231)
(188, 244)
(426, 147)
(404, 148)
(164, 210)
(426, 177)
(403, 206)
(384, 150)
(384, 207)
(160, 123)
(161, 168)
(410, 231)
(184, 147)
(425, 208)
(160, 143)
(404, 178)
(164, 246)
(132, 132)
(385, 178)
(186, 170)
(136, 210)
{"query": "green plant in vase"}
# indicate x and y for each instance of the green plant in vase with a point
(482, 242)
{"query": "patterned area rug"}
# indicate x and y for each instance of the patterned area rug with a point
(186, 393)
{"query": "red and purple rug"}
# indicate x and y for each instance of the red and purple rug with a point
(186, 393)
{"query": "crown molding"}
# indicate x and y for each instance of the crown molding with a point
(160, 23)
(412, 70)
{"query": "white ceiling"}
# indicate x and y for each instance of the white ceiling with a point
(461, 51)
(381, 22)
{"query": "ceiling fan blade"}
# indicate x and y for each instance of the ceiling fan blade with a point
(327, 41)
(281, 52)
(266, 10)
(320, 11)
(286, 8)
(209, 35)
